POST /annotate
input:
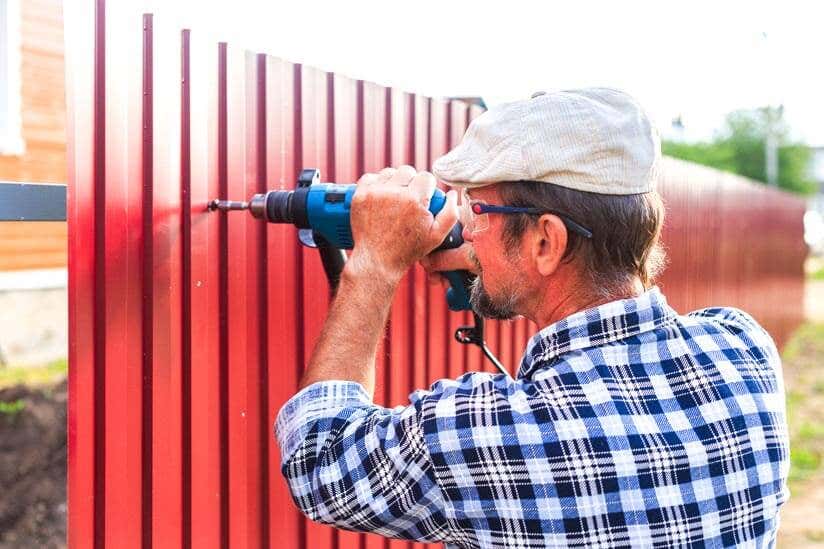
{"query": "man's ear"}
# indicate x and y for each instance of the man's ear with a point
(549, 241)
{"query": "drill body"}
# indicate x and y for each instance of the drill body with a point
(322, 212)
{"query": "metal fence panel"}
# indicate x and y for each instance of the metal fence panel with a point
(189, 329)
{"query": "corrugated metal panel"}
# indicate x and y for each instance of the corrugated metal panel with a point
(190, 329)
(733, 242)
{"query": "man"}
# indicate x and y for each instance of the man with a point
(627, 425)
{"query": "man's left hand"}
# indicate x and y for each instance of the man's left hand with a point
(391, 223)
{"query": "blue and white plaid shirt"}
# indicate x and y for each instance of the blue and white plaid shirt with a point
(627, 426)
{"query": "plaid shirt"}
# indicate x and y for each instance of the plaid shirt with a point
(627, 426)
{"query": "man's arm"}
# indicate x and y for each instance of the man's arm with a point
(347, 461)
(348, 342)
(392, 229)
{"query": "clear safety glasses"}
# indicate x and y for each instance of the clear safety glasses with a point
(476, 215)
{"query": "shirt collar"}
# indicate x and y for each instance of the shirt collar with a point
(597, 326)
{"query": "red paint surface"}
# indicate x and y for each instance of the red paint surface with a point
(190, 329)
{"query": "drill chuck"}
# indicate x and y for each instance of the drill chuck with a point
(273, 206)
(282, 207)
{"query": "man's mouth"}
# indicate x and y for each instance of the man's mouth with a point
(474, 259)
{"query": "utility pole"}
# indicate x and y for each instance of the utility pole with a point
(773, 116)
(771, 148)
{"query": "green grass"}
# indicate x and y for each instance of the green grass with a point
(806, 344)
(11, 408)
(803, 361)
(33, 375)
(815, 268)
(815, 535)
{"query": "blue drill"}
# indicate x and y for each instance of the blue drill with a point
(321, 212)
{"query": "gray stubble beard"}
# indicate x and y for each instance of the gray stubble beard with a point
(487, 306)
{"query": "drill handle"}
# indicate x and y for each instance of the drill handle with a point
(457, 296)
(333, 260)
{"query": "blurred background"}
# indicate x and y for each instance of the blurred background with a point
(735, 86)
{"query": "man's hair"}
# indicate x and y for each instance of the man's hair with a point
(625, 231)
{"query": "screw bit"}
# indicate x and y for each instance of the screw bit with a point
(227, 205)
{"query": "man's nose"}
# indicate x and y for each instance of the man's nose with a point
(467, 234)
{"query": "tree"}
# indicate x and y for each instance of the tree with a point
(740, 148)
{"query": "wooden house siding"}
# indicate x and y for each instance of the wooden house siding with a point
(38, 245)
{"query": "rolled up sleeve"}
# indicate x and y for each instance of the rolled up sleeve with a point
(358, 466)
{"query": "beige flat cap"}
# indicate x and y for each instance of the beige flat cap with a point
(595, 139)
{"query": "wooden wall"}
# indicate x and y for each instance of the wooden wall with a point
(38, 245)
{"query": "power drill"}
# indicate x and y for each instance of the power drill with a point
(321, 213)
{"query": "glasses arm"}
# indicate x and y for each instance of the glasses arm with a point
(570, 224)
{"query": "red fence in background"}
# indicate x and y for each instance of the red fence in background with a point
(731, 241)
(189, 329)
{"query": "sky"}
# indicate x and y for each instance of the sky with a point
(695, 59)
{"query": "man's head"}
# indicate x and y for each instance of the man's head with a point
(576, 160)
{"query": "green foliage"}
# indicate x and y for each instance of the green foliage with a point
(716, 155)
(740, 148)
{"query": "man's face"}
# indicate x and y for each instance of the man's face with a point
(499, 290)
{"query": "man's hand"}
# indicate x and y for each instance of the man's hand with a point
(461, 258)
(392, 229)
(391, 223)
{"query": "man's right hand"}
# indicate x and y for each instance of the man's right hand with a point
(461, 258)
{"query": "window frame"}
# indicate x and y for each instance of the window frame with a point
(11, 114)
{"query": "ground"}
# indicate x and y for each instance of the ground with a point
(801, 525)
(33, 444)
(33, 466)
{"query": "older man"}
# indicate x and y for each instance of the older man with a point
(628, 425)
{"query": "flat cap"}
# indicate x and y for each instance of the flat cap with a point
(595, 139)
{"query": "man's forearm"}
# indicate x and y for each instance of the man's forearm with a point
(349, 339)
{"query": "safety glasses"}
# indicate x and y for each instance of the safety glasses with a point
(477, 214)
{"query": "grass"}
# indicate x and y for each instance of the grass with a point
(11, 408)
(815, 535)
(33, 375)
(803, 361)
(805, 349)
(815, 268)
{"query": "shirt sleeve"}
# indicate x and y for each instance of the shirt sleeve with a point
(358, 466)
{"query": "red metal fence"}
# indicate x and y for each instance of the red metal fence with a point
(189, 329)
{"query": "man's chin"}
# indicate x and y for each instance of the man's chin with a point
(490, 307)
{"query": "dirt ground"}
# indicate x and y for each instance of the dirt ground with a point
(33, 467)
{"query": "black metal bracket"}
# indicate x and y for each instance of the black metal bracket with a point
(474, 335)
(32, 202)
